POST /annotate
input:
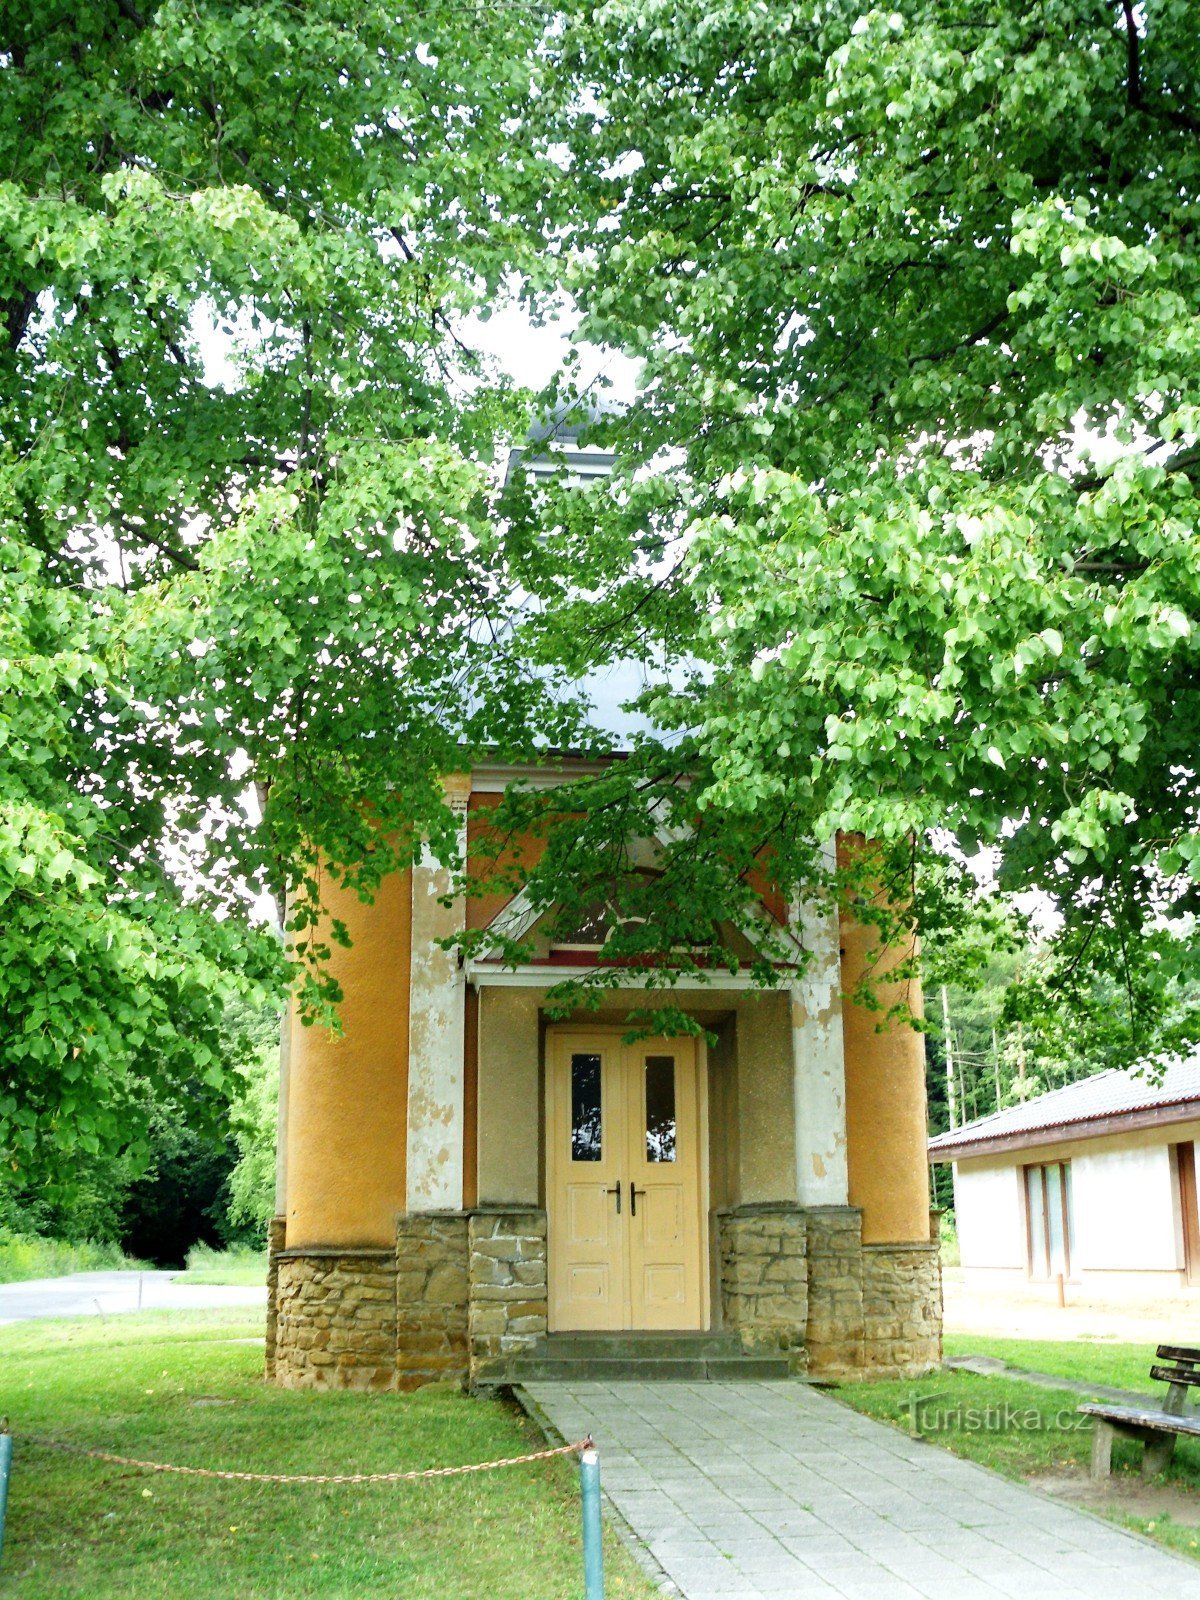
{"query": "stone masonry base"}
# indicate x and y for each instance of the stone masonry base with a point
(457, 1298)
(799, 1280)
(462, 1294)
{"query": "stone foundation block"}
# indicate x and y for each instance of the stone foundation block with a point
(462, 1294)
(902, 1309)
(507, 1289)
(764, 1278)
(325, 1333)
(431, 1317)
(276, 1240)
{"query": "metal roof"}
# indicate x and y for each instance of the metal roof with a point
(560, 431)
(607, 689)
(1089, 1106)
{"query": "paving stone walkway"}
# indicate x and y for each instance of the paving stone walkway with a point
(759, 1491)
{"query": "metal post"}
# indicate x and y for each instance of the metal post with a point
(593, 1548)
(948, 1045)
(5, 1465)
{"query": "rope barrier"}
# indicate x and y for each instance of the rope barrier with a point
(312, 1477)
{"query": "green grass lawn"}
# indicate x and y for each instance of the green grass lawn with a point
(242, 1268)
(179, 1388)
(1112, 1366)
(22, 1257)
(1028, 1431)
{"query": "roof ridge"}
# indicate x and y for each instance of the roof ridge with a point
(1112, 1091)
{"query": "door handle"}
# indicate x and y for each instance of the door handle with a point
(633, 1199)
(617, 1192)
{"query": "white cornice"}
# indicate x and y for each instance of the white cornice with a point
(488, 975)
(494, 777)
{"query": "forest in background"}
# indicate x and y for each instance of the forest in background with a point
(209, 1180)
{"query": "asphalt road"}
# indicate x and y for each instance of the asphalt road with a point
(84, 1294)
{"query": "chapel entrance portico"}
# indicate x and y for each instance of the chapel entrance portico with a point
(451, 1163)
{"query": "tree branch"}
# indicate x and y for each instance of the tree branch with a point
(437, 315)
(971, 339)
(1133, 69)
(17, 312)
(140, 535)
(1183, 461)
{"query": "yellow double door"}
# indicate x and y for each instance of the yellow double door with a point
(623, 1183)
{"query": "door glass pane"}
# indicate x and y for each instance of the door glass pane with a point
(1037, 1222)
(1069, 1207)
(585, 1108)
(1054, 1215)
(660, 1108)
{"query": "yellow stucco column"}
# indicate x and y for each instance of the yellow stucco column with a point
(885, 1100)
(348, 1096)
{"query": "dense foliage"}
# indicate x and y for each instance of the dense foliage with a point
(208, 1176)
(916, 293)
(903, 527)
(245, 542)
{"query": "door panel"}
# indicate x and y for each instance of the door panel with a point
(666, 1287)
(590, 1285)
(664, 1165)
(623, 1118)
(661, 1217)
(587, 1215)
(587, 1240)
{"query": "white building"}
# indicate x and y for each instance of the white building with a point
(1096, 1181)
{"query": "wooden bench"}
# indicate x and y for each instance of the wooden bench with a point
(1157, 1430)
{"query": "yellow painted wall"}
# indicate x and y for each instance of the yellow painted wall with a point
(347, 1114)
(723, 1149)
(885, 1102)
(523, 852)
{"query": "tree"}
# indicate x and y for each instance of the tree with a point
(187, 1189)
(915, 292)
(244, 512)
(250, 1203)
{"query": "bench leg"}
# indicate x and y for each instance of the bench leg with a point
(1102, 1443)
(1158, 1454)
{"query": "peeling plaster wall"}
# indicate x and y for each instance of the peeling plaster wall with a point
(348, 1095)
(436, 1024)
(818, 1050)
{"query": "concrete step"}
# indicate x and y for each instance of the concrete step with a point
(606, 1369)
(734, 1367)
(637, 1346)
(604, 1357)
